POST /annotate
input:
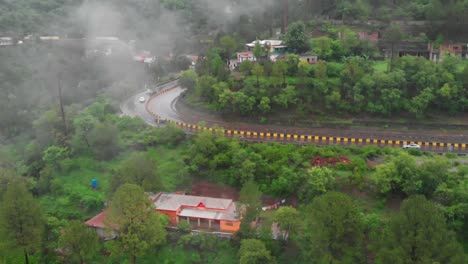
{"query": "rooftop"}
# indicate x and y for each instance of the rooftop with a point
(270, 42)
(98, 220)
(229, 215)
(172, 202)
(196, 206)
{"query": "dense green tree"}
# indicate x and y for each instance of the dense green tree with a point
(228, 46)
(258, 71)
(264, 105)
(318, 181)
(204, 88)
(140, 228)
(250, 196)
(287, 97)
(258, 50)
(137, 169)
(79, 243)
(352, 9)
(188, 79)
(418, 234)
(393, 35)
(104, 141)
(54, 154)
(292, 60)
(83, 125)
(21, 219)
(332, 230)
(216, 65)
(287, 218)
(246, 67)
(402, 174)
(253, 251)
(296, 38)
(280, 69)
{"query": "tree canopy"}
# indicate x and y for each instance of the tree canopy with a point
(332, 230)
(21, 219)
(139, 227)
(418, 234)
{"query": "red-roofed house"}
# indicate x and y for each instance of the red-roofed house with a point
(214, 214)
(244, 56)
(207, 213)
(97, 223)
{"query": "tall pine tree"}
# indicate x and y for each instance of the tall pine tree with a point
(21, 220)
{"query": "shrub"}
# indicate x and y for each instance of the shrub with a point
(370, 152)
(451, 156)
(184, 227)
(415, 152)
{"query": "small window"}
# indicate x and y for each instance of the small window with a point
(229, 224)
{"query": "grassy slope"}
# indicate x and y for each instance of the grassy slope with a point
(73, 197)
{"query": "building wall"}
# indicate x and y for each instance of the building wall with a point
(171, 214)
(451, 48)
(104, 234)
(229, 226)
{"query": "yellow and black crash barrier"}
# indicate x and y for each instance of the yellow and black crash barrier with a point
(307, 138)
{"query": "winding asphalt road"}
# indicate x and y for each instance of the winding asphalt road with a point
(165, 105)
(162, 104)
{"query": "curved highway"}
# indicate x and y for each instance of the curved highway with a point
(161, 105)
(164, 104)
(157, 104)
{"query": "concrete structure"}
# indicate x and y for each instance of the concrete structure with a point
(311, 59)
(213, 214)
(456, 49)
(403, 48)
(370, 36)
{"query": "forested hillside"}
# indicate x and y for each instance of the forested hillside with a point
(448, 18)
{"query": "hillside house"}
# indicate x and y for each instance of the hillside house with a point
(309, 58)
(457, 49)
(202, 213)
(273, 46)
(403, 48)
(245, 56)
(370, 36)
(206, 213)
(98, 224)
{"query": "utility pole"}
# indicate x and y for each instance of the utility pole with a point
(284, 25)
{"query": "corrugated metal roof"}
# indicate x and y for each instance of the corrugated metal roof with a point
(208, 214)
(172, 201)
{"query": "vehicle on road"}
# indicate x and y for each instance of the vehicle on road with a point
(142, 99)
(411, 146)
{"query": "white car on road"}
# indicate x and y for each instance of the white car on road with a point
(412, 146)
(142, 99)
